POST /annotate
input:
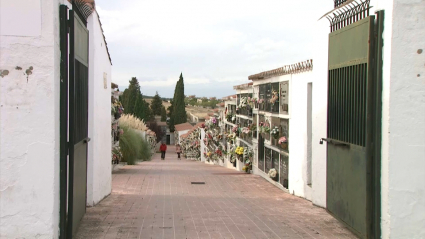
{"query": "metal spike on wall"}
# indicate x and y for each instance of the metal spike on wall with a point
(285, 70)
(85, 7)
(346, 12)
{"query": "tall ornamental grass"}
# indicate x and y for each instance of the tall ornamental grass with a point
(127, 120)
(133, 146)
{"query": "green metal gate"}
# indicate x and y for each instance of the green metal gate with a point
(73, 120)
(353, 129)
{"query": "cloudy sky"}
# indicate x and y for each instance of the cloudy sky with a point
(216, 44)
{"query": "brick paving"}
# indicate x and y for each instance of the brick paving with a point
(156, 199)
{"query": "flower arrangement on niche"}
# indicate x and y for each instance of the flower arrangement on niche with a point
(219, 152)
(275, 132)
(245, 130)
(282, 140)
(247, 167)
(239, 150)
(252, 127)
(264, 127)
(230, 117)
(252, 102)
(275, 97)
(243, 102)
(214, 120)
(236, 130)
(272, 173)
(116, 155)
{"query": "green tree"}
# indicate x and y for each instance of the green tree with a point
(179, 111)
(163, 114)
(134, 103)
(156, 104)
(130, 96)
(142, 109)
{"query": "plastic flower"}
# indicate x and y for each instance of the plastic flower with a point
(245, 130)
(275, 97)
(272, 173)
(239, 150)
(282, 140)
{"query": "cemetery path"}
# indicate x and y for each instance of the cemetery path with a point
(156, 199)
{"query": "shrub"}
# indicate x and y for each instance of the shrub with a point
(145, 151)
(133, 146)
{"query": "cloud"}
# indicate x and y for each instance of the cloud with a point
(216, 44)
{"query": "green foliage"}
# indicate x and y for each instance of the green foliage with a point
(145, 151)
(142, 109)
(163, 114)
(130, 96)
(134, 103)
(205, 102)
(178, 115)
(170, 109)
(133, 146)
(156, 104)
(170, 114)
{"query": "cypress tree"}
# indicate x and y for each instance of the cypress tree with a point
(130, 96)
(156, 104)
(163, 114)
(179, 109)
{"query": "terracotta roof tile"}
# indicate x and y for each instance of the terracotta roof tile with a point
(184, 126)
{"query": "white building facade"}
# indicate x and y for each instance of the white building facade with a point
(30, 113)
(365, 166)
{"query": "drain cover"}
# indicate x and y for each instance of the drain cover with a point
(197, 182)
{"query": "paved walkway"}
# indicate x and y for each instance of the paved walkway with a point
(157, 200)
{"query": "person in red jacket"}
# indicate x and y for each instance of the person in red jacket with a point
(163, 148)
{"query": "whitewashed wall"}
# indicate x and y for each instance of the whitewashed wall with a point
(403, 117)
(178, 141)
(29, 119)
(202, 148)
(319, 111)
(403, 145)
(298, 135)
(99, 148)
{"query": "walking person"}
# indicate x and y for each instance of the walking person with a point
(178, 151)
(163, 148)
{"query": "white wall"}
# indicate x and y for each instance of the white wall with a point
(202, 148)
(403, 149)
(180, 134)
(298, 134)
(403, 117)
(99, 148)
(319, 111)
(29, 121)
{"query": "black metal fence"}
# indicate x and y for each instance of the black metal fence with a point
(347, 13)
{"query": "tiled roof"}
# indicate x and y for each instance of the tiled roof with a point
(184, 126)
(229, 97)
(243, 86)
